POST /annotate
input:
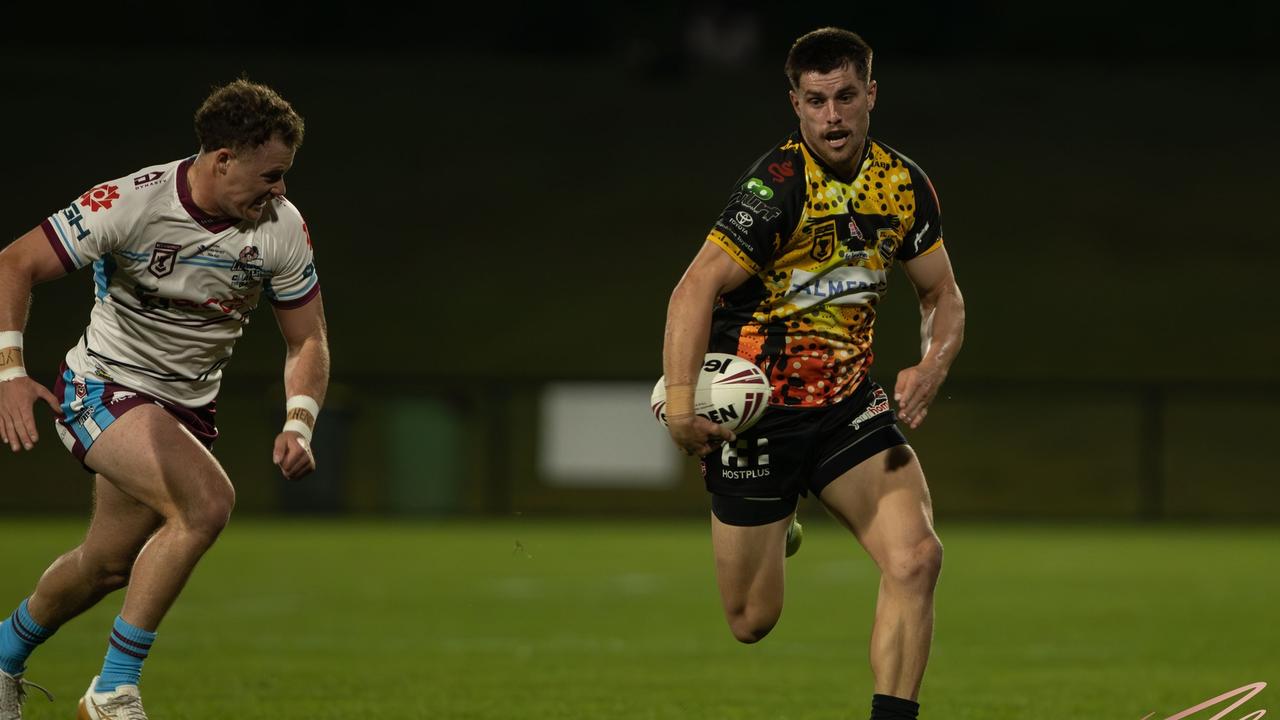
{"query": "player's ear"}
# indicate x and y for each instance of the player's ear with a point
(871, 95)
(795, 101)
(222, 160)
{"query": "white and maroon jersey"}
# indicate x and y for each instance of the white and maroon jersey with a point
(173, 287)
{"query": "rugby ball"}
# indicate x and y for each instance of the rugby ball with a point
(731, 392)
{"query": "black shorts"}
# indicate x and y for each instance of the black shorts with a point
(758, 478)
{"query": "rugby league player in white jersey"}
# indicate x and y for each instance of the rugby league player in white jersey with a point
(181, 253)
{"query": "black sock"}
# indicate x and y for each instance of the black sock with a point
(888, 707)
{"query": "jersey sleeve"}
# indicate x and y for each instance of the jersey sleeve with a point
(925, 234)
(763, 209)
(95, 223)
(293, 282)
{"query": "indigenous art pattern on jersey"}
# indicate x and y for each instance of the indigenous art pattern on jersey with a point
(819, 250)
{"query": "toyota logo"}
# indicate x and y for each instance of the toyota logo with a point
(743, 218)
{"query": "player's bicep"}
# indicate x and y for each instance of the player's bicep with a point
(34, 256)
(714, 271)
(931, 274)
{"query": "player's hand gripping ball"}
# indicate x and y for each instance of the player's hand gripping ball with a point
(731, 392)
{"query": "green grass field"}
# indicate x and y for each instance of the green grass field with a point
(619, 620)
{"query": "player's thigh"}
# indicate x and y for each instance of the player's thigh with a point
(884, 501)
(749, 559)
(151, 457)
(120, 525)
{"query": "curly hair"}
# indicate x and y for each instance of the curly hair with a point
(244, 114)
(828, 49)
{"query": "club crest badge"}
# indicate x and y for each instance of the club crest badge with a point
(247, 270)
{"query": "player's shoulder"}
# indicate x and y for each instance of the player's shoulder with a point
(135, 191)
(284, 222)
(285, 213)
(885, 158)
(780, 167)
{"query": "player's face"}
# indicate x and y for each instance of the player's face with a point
(248, 180)
(835, 111)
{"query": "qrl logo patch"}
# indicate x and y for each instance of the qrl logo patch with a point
(824, 241)
(163, 259)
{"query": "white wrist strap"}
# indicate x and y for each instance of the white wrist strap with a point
(302, 402)
(12, 373)
(11, 339)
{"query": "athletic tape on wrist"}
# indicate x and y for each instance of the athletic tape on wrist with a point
(10, 339)
(297, 424)
(299, 427)
(13, 373)
(680, 400)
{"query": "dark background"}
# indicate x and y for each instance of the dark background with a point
(503, 196)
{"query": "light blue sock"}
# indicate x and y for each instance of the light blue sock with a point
(126, 649)
(19, 636)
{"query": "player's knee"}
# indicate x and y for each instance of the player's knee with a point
(915, 567)
(751, 623)
(210, 515)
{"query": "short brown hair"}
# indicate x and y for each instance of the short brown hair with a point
(828, 49)
(244, 114)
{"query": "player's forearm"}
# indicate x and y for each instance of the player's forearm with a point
(15, 294)
(685, 341)
(942, 327)
(306, 368)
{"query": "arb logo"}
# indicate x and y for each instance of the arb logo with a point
(100, 198)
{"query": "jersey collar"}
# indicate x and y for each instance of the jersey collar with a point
(817, 159)
(203, 219)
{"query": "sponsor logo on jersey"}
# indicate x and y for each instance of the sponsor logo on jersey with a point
(148, 179)
(150, 300)
(781, 171)
(755, 205)
(164, 258)
(756, 187)
(74, 219)
(790, 145)
(743, 218)
(842, 285)
(879, 405)
(100, 198)
(121, 396)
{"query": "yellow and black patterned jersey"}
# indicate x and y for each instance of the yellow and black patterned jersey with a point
(818, 250)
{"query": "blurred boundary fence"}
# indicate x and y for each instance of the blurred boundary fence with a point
(990, 448)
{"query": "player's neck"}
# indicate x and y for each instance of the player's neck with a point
(200, 182)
